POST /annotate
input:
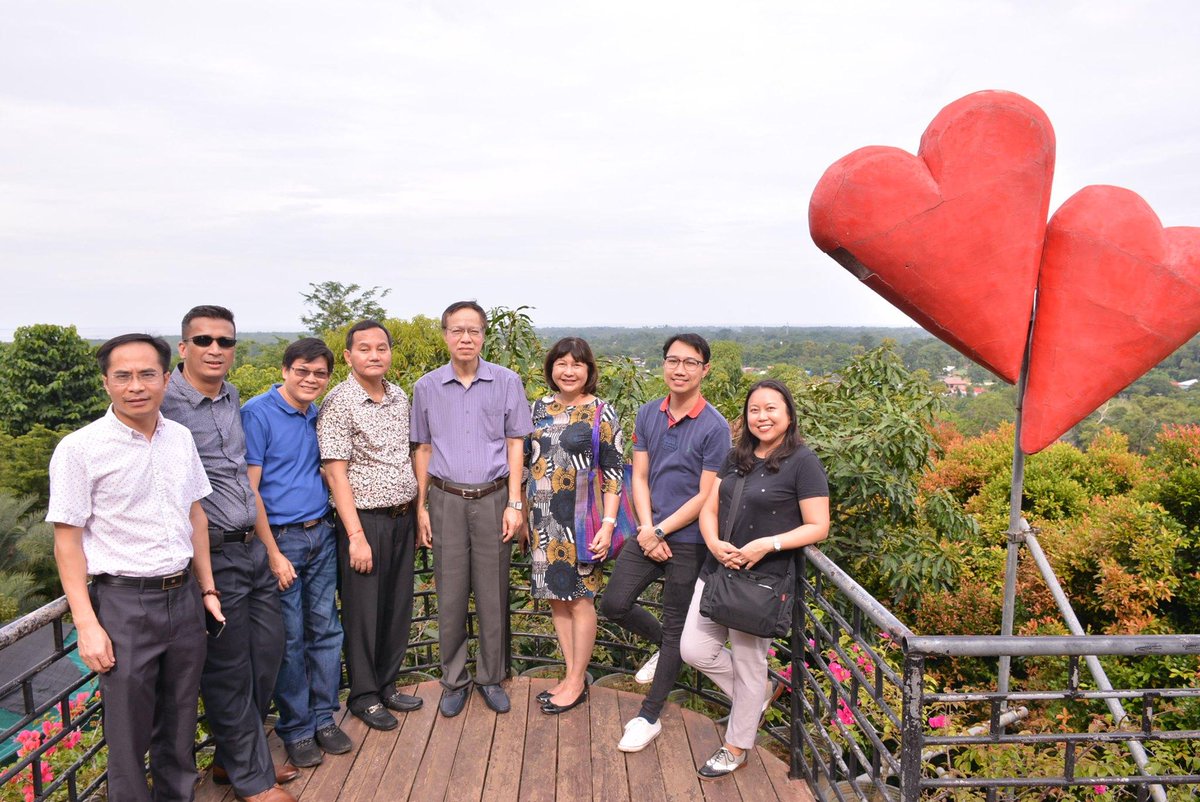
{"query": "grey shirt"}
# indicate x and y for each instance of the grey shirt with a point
(216, 426)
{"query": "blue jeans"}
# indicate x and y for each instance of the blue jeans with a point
(306, 692)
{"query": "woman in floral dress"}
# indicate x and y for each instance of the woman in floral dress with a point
(559, 451)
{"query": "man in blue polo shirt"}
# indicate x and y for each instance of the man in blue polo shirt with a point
(680, 442)
(295, 525)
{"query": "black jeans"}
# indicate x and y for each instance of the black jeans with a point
(632, 574)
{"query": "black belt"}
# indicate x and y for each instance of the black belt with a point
(280, 528)
(234, 535)
(469, 492)
(394, 511)
(168, 582)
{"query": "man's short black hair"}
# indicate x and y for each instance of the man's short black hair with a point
(104, 353)
(205, 310)
(688, 338)
(365, 325)
(458, 306)
(308, 349)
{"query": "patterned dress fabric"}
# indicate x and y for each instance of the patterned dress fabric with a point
(560, 451)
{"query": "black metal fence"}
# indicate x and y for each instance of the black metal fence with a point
(858, 713)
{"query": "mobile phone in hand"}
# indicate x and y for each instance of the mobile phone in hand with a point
(214, 627)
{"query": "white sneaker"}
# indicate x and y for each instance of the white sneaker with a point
(645, 674)
(638, 734)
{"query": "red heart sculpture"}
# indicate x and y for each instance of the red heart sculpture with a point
(952, 236)
(1116, 295)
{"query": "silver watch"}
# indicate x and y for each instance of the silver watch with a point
(516, 505)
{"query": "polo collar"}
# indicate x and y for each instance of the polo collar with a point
(694, 412)
(282, 403)
(190, 394)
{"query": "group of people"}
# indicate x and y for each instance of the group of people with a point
(217, 535)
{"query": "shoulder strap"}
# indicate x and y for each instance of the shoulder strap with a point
(734, 501)
(596, 435)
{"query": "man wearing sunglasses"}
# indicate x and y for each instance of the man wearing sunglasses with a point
(241, 666)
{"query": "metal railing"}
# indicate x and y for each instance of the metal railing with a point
(856, 714)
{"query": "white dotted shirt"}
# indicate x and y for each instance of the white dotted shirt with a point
(130, 495)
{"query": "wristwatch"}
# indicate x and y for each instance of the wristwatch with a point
(659, 533)
(516, 505)
(777, 544)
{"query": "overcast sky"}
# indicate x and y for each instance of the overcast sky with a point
(608, 163)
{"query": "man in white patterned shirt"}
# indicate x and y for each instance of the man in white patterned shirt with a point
(362, 429)
(124, 501)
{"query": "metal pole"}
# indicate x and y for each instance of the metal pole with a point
(1093, 663)
(912, 727)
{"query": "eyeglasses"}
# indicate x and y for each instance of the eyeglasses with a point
(457, 333)
(689, 364)
(205, 340)
(304, 373)
(122, 378)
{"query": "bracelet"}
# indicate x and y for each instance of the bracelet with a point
(211, 592)
(608, 521)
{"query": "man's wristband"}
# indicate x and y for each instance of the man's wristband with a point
(211, 592)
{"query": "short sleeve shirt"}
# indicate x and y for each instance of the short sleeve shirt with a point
(282, 440)
(131, 496)
(373, 438)
(216, 426)
(468, 426)
(679, 451)
(770, 503)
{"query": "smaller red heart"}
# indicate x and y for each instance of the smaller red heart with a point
(952, 236)
(1117, 294)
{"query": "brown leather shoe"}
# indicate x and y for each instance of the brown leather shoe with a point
(284, 773)
(272, 794)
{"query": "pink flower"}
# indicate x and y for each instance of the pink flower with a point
(71, 740)
(786, 673)
(844, 714)
(884, 636)
(840, 673)
(812, 644)
(1100, 789)
(937, 722)
(771, 652)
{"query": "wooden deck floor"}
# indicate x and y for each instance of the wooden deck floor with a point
(526, 756)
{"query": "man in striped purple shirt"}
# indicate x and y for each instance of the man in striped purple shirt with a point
(469, 421)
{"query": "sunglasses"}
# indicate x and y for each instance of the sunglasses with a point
(205, 340)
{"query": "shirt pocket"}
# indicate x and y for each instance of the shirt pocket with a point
(493, 424)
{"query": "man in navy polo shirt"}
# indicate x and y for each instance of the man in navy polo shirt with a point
(295, 525)
(680, 442)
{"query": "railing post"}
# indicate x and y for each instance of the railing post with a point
(912, 729)
(796, 769)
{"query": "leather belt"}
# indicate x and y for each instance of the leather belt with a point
(235, 535)
(394, 511)
(469, 492)
(168, 582)
(279, 529)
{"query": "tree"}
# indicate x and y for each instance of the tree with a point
(27, 573)
(48, 375)
(334, 305)
(24, 461)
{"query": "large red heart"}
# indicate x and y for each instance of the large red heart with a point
(1116, 295)
(952, 236)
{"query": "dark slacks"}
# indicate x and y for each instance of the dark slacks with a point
(150, 694)
(377, 607)
(239, 674)
(631, 575)
(469, 555)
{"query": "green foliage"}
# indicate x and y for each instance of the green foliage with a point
(27, 575)
(25, 459)
(252, 380)
(726, 385)
(512, 342)
(48, 376)
(333, 305)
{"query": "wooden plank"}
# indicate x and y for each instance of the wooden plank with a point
(574, 779)
(327, 779)
(503, 781)
(675, 758)
(752, 780)
(641, 768)
(209, 791)
(787, 789)
(704, 740)
(474, 749)
(609, 783)
(411, 741)
(433, 771)
(372, 756)
(540, 762)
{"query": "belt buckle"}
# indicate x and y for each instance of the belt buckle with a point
(174, 581)
(472, 493)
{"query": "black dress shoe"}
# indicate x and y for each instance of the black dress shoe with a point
(552, 709)
(495, 697)
(402, 702)
(377, 718)
(304, 753)
(333, 740)
(543, 697)
(453, 701)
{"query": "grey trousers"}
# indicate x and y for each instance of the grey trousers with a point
(469, 555)
(150, 694)
(740, 672)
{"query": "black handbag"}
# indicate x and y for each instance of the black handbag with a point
(747, 600)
